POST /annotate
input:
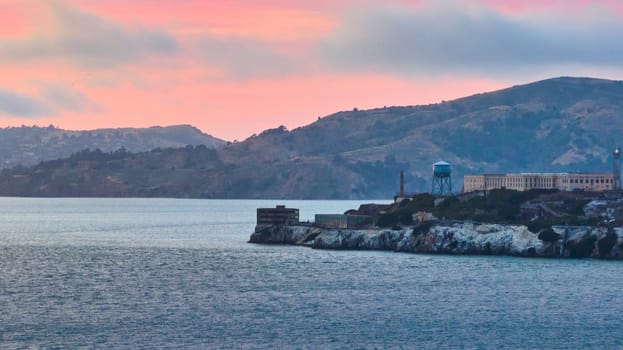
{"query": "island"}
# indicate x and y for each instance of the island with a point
(535, 223)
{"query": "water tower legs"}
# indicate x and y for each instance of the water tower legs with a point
(442, 185)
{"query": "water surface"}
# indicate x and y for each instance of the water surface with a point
(163, 273)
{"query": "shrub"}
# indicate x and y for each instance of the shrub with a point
(549, 235)
(387, 220)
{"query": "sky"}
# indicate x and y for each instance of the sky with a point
(233, 68)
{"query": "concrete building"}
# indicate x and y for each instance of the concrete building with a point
(528, 181)
(279, 215)
(341, 220)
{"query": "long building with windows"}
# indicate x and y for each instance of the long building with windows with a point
(279, 215)
(528, 181)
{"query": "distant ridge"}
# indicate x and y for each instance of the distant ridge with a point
(28, 146)
(559, 124)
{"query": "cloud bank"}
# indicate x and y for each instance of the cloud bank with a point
(236, 67)
(61, 98)
(430, 38)
(86, 40)
(439, 39)
(18, 105)
(51, 98)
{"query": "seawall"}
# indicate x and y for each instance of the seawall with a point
(456, 238)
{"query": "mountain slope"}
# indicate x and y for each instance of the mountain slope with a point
(31, 145)
(561, 124)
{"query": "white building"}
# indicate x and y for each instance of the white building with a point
(528, 181)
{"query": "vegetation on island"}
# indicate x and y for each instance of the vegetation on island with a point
(541, 208)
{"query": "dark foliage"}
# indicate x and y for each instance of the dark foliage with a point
(388, 219)
(549, 235)
(499, 206)
(606, 244)
(583, 248)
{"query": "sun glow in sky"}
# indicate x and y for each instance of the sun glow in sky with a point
(236, 67)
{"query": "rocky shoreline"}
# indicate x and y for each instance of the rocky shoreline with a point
(455, 238)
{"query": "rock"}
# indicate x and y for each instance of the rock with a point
(455, 238)
(281, 234)
(583, 246)
(606, 243)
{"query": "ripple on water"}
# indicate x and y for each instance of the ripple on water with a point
(177, 276)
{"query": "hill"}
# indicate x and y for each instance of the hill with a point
(28, 146)
(561, 124)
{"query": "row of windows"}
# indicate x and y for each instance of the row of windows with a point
(524, 183)
(592, 181)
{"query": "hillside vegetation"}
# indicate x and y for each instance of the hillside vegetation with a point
(562, 124)
(26, 146)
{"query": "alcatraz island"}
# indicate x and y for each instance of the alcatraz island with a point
(567, 215)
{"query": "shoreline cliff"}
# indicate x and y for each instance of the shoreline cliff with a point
(458, 238)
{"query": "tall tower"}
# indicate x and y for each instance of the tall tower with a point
(442, 180)
(616, 169)
(402, 183)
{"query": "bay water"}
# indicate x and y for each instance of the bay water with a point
(174, 273)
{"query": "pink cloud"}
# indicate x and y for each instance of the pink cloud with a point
(235, 110)
(234, 68)
(268, 20)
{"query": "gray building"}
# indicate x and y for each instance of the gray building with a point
(341, 220)
(279, 215)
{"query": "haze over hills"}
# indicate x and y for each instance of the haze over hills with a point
(561, 124)
(31, 145)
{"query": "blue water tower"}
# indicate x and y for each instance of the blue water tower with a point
(442, 179)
